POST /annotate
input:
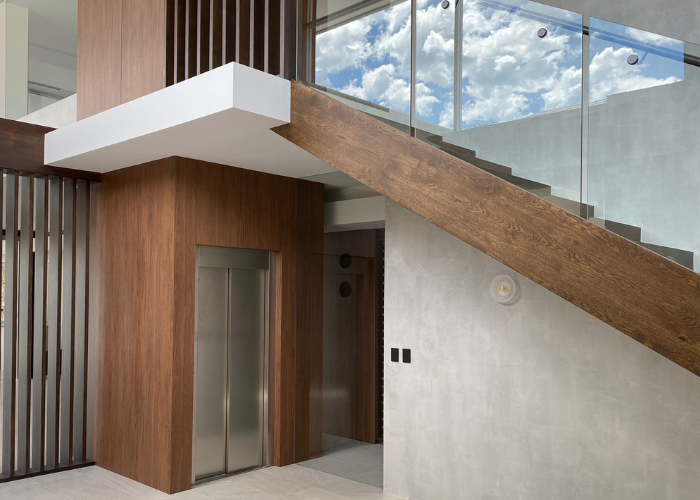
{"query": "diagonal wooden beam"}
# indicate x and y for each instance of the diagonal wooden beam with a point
(648, 297)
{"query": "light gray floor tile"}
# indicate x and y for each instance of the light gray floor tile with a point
(47, 478)
(13, 485)
(315, 494)
(335, 467)
(352, 489)
(270, 483)
(31, 491)
(85, 488)
(373, 478)
(124, 484)
(303, 475)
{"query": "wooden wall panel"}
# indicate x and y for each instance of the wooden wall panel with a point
(208, 204)
(650, 298)
(143, 48)
(99, 56)
(136, 227)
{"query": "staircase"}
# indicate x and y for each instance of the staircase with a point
(650, 298)
(632, 233)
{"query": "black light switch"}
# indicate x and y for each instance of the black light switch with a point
(406, 355)
(395, 354)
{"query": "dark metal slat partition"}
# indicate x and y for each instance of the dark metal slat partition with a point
(48, 338)
(205, 34)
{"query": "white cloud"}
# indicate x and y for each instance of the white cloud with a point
(508, 71)
(610, 74)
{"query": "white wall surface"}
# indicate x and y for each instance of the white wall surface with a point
(533, 401)
(14, 53)
(55, 115)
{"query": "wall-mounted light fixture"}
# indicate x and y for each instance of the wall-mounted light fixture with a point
(542, 32)
(504, 290)
(633, 59)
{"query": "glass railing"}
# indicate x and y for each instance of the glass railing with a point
(38, 64)
(503, 84)
(643, 172)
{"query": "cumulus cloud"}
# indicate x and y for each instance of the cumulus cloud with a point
(508, 72)
(610, 74)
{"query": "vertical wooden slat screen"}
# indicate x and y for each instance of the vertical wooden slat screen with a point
(205, 34)
(26, 208)
(48, 358)
(216, 40)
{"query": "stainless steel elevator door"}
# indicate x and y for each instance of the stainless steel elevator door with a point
(246, 368)
(231, 361)
(211, 370)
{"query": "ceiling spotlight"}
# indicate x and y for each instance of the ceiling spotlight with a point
(504, 290)
(633, 59)
(542, 32)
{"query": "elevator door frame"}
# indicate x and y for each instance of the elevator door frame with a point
(232, 259)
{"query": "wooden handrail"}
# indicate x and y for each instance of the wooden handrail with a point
(648, 297)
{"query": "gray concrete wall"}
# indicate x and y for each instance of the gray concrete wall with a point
(537, 400)
(679, 19)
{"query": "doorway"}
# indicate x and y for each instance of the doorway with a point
(231, 361)
(352, 351)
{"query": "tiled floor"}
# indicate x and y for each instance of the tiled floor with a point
(355, 460)
(291, 483)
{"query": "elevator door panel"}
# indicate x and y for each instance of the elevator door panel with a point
(212, 344)
(246, 368)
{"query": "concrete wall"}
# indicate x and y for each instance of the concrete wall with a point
(537, 400)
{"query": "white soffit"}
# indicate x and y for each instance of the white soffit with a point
(222, 116)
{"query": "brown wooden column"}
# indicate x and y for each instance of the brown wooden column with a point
(151, 218)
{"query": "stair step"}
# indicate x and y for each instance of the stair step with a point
(632, 233)
(682, 257)
(569, 205)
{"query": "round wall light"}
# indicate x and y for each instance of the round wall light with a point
(542, 32)
(633, 59)
(504, 290)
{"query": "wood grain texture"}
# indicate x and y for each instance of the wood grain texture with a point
(149, 306)
(143, 48)
(651, 299)
(22, 149)
(99, 56)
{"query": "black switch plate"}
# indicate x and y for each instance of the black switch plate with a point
(406, 355)
(395, 354)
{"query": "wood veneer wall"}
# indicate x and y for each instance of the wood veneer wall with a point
(645, 296)
(121, 52)
(151, 217)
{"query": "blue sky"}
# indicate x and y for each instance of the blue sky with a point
(508, 72)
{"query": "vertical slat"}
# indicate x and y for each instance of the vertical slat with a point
(24, 329)
(10, 340)
(170, 52)
(8, 335)
(203, 42)
(257, 34)
(181, 40)
(40, 277)
(243, 32)
(216, 48)
(191, 42)
(67, 323)
(92, 308)
(53, 320)
(79, 350)
(274, 37)
(230, 30)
